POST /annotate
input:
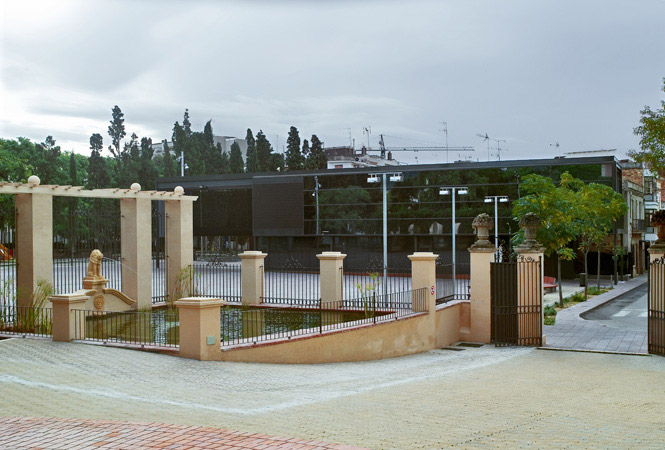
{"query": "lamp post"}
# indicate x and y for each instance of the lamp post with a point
(183, 166)
(496, 199)
(316, 195)
(374, 178)
(447, 190)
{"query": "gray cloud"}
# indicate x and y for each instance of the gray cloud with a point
(529, 72)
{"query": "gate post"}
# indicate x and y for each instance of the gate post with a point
(200, 325)
(657, 250)
(34, 241)
(423, 275)
(530, 283)
(483, 253)
(136, 248)
(179, 238)
(331, 264)
(251, 276)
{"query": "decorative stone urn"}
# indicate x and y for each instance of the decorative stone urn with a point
(530, 223)
(658, 221)
(483, 223)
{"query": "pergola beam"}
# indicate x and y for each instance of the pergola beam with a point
(80, 191)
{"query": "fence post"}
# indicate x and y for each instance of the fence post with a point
(136, 249)
(482, 254)
(251, 277)
(657, 250)
(200, 327)
(179, 238)
(423, 275)
(34, 241)
(331, 264)
(530, 280)
(64, 320)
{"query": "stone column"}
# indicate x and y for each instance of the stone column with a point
(64, 319)
(251, 277)
(199, 327)
(34, 242)
(482, 254)
(136, 249)
(332, 264)
(529, 279)
(423, 275)
(179, 239)
(657, 250)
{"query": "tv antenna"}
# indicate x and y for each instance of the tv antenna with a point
(485, 138)
(367, 130)
(555, 145)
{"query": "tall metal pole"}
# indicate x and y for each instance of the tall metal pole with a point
(316, 192)
(385, 237)
(496, 228)
(453, 190)
(182, 163)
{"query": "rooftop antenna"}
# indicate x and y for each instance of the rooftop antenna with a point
(498, 147)
(556, 146)
(367, 130)
(486, 138)
(445, 131)
(350, 138)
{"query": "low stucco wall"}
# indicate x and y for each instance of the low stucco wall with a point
(414, 334)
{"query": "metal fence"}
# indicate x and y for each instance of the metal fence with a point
(7, 265)
(158, 254)
(218, 279)
(75, 235)
(292, 284)
(369, 280)
(26, 320)
(449, 288)
(159, 328)
(249, 326)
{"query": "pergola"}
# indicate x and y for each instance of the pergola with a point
(34, 234)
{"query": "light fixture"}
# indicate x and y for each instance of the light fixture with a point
(444, 192)
(503, 199)
(488, 199)
(396, 177)
(373, 179)
(463, 191)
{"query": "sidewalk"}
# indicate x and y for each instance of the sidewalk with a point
(572, 332)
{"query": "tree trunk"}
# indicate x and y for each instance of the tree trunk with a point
(598, 271)
(558, 263)
(586, 278)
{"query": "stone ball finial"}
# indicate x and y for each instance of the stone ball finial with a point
(135, 187)
(179, 190)
(34, 180)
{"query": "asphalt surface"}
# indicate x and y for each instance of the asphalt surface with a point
(626, 312)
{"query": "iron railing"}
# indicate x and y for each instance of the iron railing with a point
(370, 280)
(26, 320)
(448, 289)
(158, 255)
(223, 280)
(260, 324)
(158, 328)
(291, 285)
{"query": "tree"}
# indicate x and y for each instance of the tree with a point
(45, 162)
(316, 159)
(599, 206)
(556, 208)
(225, 162)
(293, 158)
(236, 164)
(169, 169)
(267, 162)
(147, 171)
(97, 172)
(344, 210)
(652, 137)
(253, 163)
(116, 131)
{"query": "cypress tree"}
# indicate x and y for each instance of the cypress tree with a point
(253, 163)
(236, 164)
(294, 159)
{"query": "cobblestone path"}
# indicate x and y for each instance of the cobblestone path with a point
(476, 398)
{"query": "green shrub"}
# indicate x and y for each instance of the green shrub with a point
(550, 311)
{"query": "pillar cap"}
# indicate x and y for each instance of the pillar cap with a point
(423, 256)
(199, 302)
(251, 254)
(482, 249)
(68, 298)
(331, 256)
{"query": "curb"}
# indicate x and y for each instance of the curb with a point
(601, 352)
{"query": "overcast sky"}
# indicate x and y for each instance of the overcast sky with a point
(531, 72)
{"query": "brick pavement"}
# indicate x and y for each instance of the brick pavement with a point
(477, 398)
(32, 433)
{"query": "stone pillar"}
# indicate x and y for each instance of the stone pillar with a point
(423, 275)
(179, 240)
(529, 278)
(332, 264)
(482, 255)
(34, 242)
(136, 249)
(251, 277)
(199, 327)
(64, 319)
(657, 250)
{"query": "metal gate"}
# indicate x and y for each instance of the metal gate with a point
(517, 297)
(656, 306)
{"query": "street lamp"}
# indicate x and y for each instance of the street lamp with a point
(316, 195)
(496, 199)
(183, 166)
(374, 178)
(448, 191)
